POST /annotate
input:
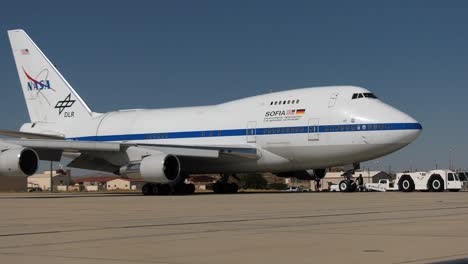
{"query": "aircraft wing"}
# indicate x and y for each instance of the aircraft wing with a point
(92, 155)
(70, 146)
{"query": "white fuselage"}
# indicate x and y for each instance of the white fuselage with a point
(311, 128)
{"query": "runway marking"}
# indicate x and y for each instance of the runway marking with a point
(455, 261)
(88, 258)
(232, 221)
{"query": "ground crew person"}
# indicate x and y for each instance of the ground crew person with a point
(360, 182)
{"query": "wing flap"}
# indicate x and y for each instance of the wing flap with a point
(65, 145)
(203, 151)
(28, 135)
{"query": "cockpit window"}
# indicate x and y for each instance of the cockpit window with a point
(364, 95)
(463, 176)
(370, 95)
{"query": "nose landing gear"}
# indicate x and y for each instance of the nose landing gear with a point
(348, 184)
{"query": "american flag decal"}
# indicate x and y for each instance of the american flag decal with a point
(24, 52)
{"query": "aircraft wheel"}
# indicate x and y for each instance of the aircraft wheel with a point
(180, 188)
(406, 184)
(234, 188)
(218, 187)
(190, 189)
(230, 188)
(345, 186)
(147, 189)
(154, 189)
(436, 183)
(164, 189)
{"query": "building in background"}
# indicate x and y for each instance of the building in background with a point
(41, 182)
(124, 184)
(203, 182)
(95, 183)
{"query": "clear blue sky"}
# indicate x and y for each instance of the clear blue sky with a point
(152, 54)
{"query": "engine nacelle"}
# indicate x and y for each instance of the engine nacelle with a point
(319, 173)
(154, 168)
(18, 162)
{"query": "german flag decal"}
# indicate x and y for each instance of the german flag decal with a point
(300, 111)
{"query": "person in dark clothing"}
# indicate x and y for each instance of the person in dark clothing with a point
(360, 182)
(317, 185)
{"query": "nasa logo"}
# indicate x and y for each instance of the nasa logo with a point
(35, 85)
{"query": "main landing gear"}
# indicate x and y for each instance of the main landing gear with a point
(223, 186)
(168, 189)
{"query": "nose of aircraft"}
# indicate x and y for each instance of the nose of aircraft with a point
(413, 132)
(404, 129)
(410, 128)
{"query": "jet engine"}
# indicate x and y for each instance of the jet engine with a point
(155, 168)
(18, 162)
(318, 173)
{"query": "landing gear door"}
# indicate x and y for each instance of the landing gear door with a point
(313, 129)
(332, 101)
(251, 131)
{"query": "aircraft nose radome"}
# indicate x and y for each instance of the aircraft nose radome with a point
(413, 129)
(414, 133)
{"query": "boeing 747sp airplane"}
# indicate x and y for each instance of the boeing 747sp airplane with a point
(295, 132)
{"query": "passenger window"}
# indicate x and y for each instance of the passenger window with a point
(276, 102)
(450, 177)
(271, 103)
(284, 102)
(289, 101)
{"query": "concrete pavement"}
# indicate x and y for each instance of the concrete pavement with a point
(240, 228)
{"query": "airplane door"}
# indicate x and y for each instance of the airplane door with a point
(450, 181)
(313, 129)
(251, 131)
(332, 101)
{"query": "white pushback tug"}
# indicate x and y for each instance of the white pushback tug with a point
(434, 181)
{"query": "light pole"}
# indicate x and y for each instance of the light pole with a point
(51, 177)
(450, 158)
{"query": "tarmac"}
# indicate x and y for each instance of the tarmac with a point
(236, 228)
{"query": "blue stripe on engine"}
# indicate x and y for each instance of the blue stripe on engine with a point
(257, 132)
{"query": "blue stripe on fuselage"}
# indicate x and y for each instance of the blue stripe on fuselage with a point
(255, 131)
